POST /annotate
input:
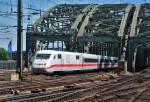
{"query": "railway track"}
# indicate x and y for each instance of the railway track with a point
(61, 96)
(126, 93)
(8, 87)
(83, 88)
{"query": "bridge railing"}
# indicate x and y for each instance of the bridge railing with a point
(8, 65)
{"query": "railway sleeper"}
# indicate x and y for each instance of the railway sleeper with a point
(41, 97)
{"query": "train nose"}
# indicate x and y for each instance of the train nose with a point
(39, 64)
(38, 70)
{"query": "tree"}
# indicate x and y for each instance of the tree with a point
(4, 54)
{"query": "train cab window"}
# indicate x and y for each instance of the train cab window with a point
(59, 56)
(77, 57)
(43, 56)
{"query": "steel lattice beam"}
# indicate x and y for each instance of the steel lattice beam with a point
(118, 24)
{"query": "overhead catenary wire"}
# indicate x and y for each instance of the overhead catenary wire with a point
(51, 1)
(13, 5)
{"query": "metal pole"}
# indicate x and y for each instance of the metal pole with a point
(19, 39)
(134, 59)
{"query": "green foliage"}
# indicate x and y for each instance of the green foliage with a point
(31, 56)
(4, 54)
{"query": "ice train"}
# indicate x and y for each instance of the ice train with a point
(50, 61)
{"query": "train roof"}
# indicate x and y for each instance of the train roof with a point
(56, 52)
(61, 52)
(65, 52)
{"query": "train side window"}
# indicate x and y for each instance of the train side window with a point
(102, 60)
(77, 57)
(107, 60)
(90, 60)
(115, 61)
(110, 61)
(54, 57)
(59, 56)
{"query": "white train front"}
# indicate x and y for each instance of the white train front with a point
(49, 61)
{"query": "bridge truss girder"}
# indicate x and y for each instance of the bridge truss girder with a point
(136, 55)
(100, 32)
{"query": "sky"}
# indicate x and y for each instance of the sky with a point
(8, 16)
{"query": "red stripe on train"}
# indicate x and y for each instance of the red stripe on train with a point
(71, 65)
(76, 65)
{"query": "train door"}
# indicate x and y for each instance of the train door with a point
(99, 62)
(60, 62)
(109, 62)
(67, 62)
(81, 62)
(78, 62)
(112, 63)
(106, 63)
(102, 62)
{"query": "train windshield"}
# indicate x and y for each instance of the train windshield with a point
(43, 56)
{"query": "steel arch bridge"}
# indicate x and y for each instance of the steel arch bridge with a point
(109, 29)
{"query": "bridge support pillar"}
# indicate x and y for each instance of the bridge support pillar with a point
(122, 67)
